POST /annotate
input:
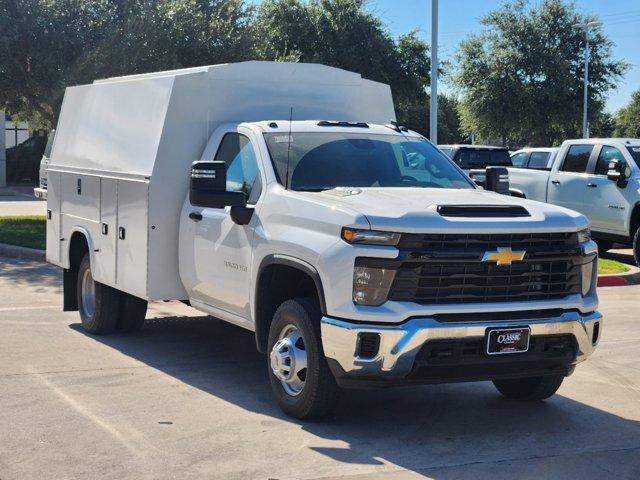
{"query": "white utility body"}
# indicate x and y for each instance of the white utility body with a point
(357, 252)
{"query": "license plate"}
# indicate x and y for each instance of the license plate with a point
(508, 340)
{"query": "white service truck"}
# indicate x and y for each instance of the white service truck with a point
(358, 253)
(597, 177)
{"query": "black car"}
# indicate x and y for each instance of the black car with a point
(470, 157)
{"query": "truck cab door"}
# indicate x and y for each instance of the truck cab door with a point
(608, 203)
(568, 184)
(215, 252)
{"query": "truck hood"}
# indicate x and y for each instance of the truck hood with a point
(415, 210)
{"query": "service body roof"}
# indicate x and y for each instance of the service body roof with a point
(127, 124)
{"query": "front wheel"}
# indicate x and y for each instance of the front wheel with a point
(636, 247)
(529, 389)
(300, 378)
(98, 304)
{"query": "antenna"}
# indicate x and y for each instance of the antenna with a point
(289, 148)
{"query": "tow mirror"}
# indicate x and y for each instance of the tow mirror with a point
(208, 187)
(493, 179)
(497, 180)
(619, 172)
(478, 176)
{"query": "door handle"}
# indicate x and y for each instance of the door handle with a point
(195, 216)
(555, 182)
(592, 185)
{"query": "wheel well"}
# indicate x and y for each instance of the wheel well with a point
(277, 283)
(78, 247)
(635, 221)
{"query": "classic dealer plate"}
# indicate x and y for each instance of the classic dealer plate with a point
(508, 340)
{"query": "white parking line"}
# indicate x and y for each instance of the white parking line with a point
(15, 309)
(130, 437)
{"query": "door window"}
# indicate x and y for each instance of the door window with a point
(518, 159)
(539, 160)
(238, 154)
(607, 154)
(577, 158)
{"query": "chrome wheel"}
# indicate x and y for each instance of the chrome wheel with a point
(288, 360)
(88, 294)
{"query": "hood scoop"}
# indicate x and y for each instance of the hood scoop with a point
(482, 211)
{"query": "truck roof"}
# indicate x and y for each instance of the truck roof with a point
(333, 126)
(537, 149)
(473, 147)
(631, 142)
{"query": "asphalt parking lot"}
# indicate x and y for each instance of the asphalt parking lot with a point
(188, 397)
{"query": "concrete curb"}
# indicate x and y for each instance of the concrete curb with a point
(13, 251)
(631, 277)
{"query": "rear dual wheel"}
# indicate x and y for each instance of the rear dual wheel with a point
(104, 309)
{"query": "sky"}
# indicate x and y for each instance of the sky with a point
(459, 18)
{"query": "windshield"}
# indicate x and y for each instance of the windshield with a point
(468, 158)
(322, 161)
(635, 153)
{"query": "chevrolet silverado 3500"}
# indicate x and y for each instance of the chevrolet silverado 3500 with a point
(356, 251)
(598, 177)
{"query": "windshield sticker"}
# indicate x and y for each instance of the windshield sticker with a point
(282, 139)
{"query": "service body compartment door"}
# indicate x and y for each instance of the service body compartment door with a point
(53, 217)
(80, 196)
(132, 238)
(105, 264)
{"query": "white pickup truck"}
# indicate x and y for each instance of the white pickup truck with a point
(358, 253)
(597, 177)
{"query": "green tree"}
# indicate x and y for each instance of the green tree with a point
(46, 45)
(627, 119)
(521, 79)
(343, 34)
(41, 45)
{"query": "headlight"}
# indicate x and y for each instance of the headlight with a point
(371, 285)
(369, 237)
(587, 276)
(584, 235)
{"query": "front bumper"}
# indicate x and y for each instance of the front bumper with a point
(400, 344)
(40, 193)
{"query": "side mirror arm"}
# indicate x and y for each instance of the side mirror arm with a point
(241, 215)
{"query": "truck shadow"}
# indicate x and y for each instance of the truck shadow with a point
(417, 428)
(37, 277)
(623, 256)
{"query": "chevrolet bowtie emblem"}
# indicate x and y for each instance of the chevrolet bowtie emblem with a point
(503, 256)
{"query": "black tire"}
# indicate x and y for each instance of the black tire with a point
(636, 247)
(103, 316)
(320, 392)
(529, 389)
(604, 245)
(132, 313)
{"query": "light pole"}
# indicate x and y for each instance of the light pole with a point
(433, 107)
(586, 26)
